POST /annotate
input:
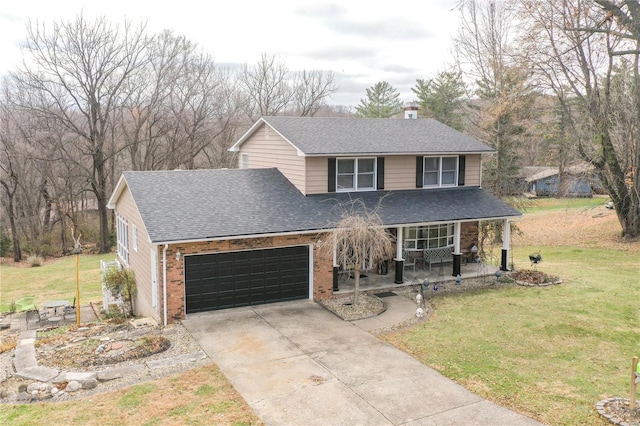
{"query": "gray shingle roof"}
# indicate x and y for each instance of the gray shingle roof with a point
(362, 136)
(205, 204)
(427, 205)
(201, 204)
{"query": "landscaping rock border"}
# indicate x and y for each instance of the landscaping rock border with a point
(612, 408)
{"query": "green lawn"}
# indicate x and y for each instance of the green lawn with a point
(550, 204)
(54, 280)
(550, 352)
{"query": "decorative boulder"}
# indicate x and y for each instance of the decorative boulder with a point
(89, 384)
(73, 386)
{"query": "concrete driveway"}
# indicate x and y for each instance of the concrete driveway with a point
(297, 364)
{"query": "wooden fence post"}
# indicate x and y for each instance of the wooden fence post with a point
(632, 396)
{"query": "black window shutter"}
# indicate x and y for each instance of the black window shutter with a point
(331, 169)
(462, 160)
(419, 172)
(380, 173)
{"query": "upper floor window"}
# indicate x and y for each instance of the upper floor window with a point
(356, 174)
(440, 171)
(123, 239)
(244, 161)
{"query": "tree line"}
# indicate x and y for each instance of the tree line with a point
(92, 99)
(542, 82)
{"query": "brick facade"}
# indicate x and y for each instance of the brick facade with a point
(322, 265)
(468, 236)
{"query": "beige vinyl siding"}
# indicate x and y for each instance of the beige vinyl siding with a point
(267, 149)
(317, 175)
(139, 261)
(399, 172)
(472, 170)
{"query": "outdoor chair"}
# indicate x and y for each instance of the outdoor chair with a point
(37, 316)
(26, 304)
(410, 261)
(70, 311)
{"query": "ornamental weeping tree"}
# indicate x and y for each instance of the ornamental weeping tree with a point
(360, 238)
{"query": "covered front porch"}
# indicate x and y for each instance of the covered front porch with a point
(442, 274)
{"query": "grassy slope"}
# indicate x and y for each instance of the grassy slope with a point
(199, 396)
(551, 352)
(56, 279)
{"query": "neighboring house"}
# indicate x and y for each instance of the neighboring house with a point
(211, 239)
(580, 181)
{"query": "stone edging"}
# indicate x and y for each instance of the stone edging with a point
(600, 407)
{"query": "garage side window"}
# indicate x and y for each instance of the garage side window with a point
(123, 242)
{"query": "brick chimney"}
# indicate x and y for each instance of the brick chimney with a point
(411, 111)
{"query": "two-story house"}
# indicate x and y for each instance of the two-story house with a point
(211, 239)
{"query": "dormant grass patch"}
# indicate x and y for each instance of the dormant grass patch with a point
(548, 352)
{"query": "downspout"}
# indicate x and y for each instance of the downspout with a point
(164, 284)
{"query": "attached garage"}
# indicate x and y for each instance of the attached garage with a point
(242, 278)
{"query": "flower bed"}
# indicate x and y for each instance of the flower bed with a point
(530, 277)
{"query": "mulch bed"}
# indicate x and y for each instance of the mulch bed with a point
(529, 277)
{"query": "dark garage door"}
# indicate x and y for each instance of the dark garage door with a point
(241, 278)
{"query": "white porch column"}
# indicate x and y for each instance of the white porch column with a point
(336, 267)
(506, 243)
(457, 255)
(399, 261)
(399, 243)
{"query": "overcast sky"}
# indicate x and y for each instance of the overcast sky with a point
(361, 41)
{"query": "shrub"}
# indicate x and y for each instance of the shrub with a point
(122, 285)
(35, 260)
(8, 343)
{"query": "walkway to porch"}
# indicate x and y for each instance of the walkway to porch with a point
(370, 280)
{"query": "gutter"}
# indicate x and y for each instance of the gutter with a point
(164, 284)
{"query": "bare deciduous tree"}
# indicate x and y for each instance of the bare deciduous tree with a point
(75, 73)
(577, 48)
(9, 181)
(359, 238)
(267, 86)
(312, 90)
(270, 88)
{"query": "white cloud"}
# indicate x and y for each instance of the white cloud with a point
(363, 42)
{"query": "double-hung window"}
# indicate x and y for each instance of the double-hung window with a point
(356, 174)
(440, 171)
(244, 161)
(122, 236)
